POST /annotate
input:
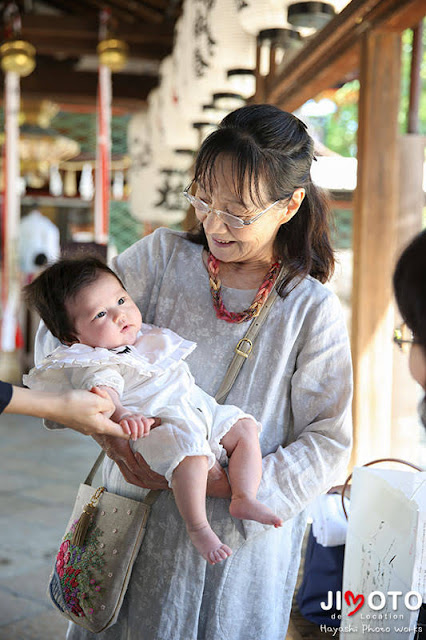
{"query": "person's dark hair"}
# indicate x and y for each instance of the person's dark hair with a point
(268, 144)
(409, 282)
(57, 284)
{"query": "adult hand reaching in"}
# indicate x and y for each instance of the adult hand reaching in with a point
(85, 412)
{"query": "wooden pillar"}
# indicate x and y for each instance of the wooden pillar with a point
(375, 215)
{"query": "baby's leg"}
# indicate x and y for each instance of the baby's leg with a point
(189, 482)
(245, 472)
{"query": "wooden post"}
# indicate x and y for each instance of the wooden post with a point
(375, 215)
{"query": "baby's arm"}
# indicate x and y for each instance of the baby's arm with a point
(134, 424)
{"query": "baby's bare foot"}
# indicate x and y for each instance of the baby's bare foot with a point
(208, 544)
(251, 509)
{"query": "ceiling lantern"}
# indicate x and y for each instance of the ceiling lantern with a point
(255, 15)
(113, 53)
(18, 56)
(227, 101)
(242, 81)
(212, 114)
(275, 44)
(314, 15)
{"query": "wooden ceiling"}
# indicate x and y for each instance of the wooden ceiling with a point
(65, 35)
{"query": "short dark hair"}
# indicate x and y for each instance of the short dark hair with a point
(266, 143)
(409, 282)
(49, 292)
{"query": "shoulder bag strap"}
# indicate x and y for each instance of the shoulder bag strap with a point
(245, 345)
(242, 352)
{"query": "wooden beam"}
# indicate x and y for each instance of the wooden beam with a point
(62, 84)
(138, 9)
(344, 69)
(328, 53)
(405, 16)
(86, 28)
(71, 36)
(121, 15)
(374, 241)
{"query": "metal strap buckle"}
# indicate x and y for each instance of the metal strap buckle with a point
(240, 352)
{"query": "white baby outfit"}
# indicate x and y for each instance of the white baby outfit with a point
(151, 378)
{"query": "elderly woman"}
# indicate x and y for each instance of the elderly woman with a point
(258, 211)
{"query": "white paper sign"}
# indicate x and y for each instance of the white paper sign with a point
(385, 556)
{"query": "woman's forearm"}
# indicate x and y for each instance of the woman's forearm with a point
(84, 411)
(33, 403)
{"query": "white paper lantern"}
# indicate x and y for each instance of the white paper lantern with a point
(211, 41)
(153, 199)
(255, 15)
(140, 151)
(177, 130)
(193, 85)
(139, 141)
(55, 181)
(118, 185)
(86, 186)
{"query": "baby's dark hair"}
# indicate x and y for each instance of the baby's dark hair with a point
(49, 292)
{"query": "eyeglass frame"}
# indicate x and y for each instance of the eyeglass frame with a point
(399, 340)
(241, 223)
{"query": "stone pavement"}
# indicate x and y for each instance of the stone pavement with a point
(40, 472)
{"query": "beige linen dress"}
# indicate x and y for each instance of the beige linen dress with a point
(298, 383)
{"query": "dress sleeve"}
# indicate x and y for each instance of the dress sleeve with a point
(5, 395)
(321, 395)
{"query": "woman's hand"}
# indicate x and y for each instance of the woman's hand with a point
(133, 467)
(85, 412)
(136, 471)
(217, 482)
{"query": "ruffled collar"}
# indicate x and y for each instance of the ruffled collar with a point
(156, 349)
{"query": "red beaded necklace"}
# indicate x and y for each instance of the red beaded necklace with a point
(255, 307)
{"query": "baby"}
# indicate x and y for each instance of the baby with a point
(105, 344)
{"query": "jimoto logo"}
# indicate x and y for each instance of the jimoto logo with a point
(376, 600)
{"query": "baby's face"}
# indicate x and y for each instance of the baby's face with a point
(104, 315)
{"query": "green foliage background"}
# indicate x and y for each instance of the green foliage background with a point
(340, 128)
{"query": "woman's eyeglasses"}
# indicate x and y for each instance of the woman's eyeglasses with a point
(403, 337)
(202, 209)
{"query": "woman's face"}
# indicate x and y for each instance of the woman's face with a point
(253, 243)
(417, 364)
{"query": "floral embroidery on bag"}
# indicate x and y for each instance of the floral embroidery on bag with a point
(80, 571)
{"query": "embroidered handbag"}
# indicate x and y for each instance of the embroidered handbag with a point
(105, 531)
(96, 556)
